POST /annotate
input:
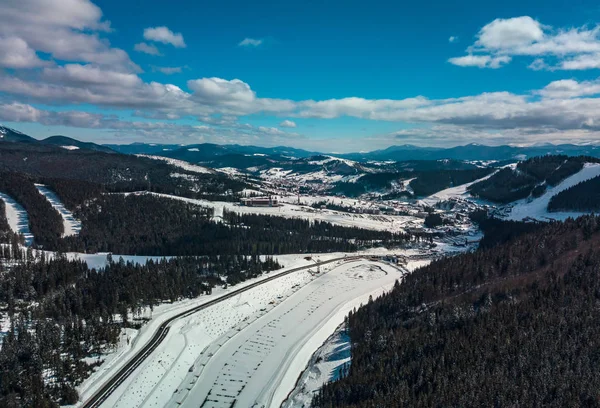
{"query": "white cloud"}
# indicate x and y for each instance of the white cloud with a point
(453, 39)
(165, 36)
(511, 33)
(250, 42)
(147, 48)
(68, 30)
(480, 61)
(288, 124)
(16, 53)
(569, 88)
(572, 48)
(168, 70)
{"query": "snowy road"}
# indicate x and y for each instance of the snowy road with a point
(259, 365)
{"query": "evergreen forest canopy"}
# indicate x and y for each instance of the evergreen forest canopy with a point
(529, 178)
(515, 324)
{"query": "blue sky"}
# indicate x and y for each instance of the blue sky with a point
(329, 75)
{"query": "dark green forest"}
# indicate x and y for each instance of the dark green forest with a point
(530, 177)
(584, 196)
(517, 324)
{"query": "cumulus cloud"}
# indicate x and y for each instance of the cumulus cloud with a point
(68, 30)
(288, 124)
(480, 61)
(16, 53)
(452, 39)
(573, 48)
(250, 42)
(164, 35)
(146, 48)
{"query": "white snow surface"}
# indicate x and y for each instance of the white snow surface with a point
(17, 217)
(538, 207)
(72, 225)
(70, 147)
(115, 360)
(393, 223)
(259, 365)
(324, 367)
(452, 192)
(181, 164)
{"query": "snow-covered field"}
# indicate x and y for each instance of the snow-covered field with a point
(382, 222)
(328, 361)
(17, 217)
(538, 208)
(259, 365)
(181, 164)
(119, 357)
(72, 226)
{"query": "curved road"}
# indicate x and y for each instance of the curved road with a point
(116, 380)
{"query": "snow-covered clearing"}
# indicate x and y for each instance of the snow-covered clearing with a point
(181, 164)
(538, 208)
(17, 217)
(392, 223)
(260, 365)
(72, 225)
(114, 361)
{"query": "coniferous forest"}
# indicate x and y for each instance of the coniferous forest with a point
(584, 196)
(514, 325)
(530, 177)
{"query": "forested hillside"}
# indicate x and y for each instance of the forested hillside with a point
(116, 172)
(423, 182)
(530, 177)
(584, 196)
(514, 325)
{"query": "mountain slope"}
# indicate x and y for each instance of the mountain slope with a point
(72, 144)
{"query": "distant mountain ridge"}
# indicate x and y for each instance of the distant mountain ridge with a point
(208, 151)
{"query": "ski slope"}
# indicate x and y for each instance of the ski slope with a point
(538, 208)
(71, 225)
(17, 217)
(260, 365)
(452, 192)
